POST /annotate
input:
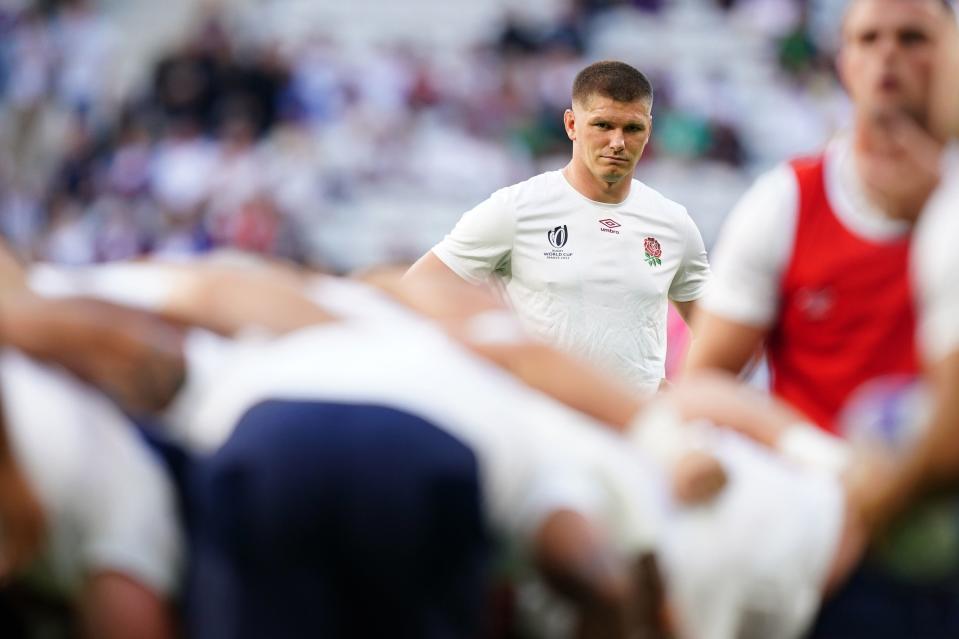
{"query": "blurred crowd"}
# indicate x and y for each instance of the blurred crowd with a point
(344, 154)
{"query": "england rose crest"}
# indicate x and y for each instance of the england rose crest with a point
(653, 251)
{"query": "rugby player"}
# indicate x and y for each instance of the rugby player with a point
(813, 261)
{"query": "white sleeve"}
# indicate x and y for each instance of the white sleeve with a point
(143, 285)
(128, 514)
(935, 271)
(753, 249)
(690, 280)
(482, 240)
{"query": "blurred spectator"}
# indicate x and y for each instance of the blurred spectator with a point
(184, 84)
(86, 46)
(128, 170)
(516, 38)
(255, 136)
(69, 239)
(183, 167)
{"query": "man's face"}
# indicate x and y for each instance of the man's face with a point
(609, 136)
(888, 53)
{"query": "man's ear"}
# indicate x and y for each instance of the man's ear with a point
(569, 122)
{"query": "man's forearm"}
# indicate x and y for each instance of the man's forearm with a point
(941, 445)
(114, 606)
(478, 320)
(719, 398)
(227, 300)
(564, 378)
(614, 598)
(934, 463)
(131, 355)
(722, 344)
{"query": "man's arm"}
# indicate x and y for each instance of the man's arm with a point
(224, 297)
(613, 598)
(719, 398)
(563, 377)
(941, 446)
(113, 606)
(722, 344)
(480, 243)
(932, 465)
(132, 355)
(692, 277)
(479, 321)
(741, 301)
(431, 268)
(227, 299)
(135, 356)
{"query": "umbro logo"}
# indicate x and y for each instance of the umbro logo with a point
(609, 226)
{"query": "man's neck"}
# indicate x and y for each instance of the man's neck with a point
(901, 196)
(860, 143)
(595, 189)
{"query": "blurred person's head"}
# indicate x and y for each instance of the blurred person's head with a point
(610, 120)
(887, 55)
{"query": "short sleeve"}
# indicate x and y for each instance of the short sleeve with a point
(481, 242)
(935, 271)
(128, 515)
(142, 285)
(751, 254)
(690, 280)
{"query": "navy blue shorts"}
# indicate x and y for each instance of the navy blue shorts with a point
(337, 520)
(874, 604)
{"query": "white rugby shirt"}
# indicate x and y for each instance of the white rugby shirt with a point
(590, 278)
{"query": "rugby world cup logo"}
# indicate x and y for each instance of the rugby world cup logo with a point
(558, 236)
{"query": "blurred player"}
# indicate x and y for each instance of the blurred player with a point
(907, 178)
(813, 261)
(87, 513)
(534, 453)
(531, 453)
(588, 256)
